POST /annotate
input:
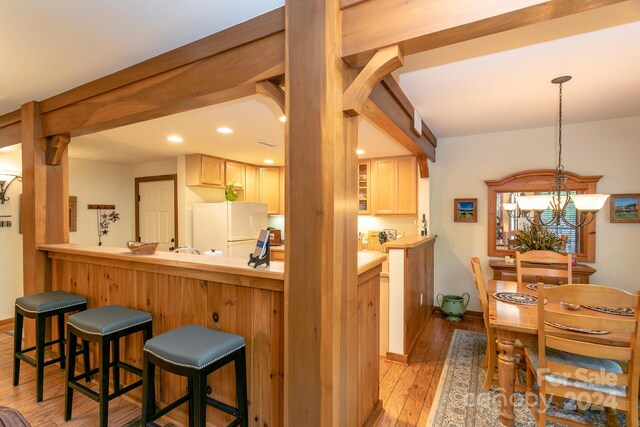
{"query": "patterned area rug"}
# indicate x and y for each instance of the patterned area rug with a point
(460, 401)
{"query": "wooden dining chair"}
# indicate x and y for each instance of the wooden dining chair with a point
(571, 365)
(542, 265)
(490, 356)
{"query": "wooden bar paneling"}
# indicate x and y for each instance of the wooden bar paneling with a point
(418, 280)
(368, 346)
(175, 301)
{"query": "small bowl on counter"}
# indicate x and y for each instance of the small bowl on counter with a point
(141, 248)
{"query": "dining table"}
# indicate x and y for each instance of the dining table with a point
(517, 322)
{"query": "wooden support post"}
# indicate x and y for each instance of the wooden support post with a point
(321, 202)
(381, 65)
(271, 90)
(45, 209)
(56, 147)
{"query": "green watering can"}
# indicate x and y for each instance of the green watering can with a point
(453, 306)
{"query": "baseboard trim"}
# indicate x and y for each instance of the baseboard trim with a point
(468, 313)
(397, 358)
(5, 322)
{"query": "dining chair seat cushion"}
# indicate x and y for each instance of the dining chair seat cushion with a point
(596, 364)
(49, 301)
(193, 346)
(108, 319)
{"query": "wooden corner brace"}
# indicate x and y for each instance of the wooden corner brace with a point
(271, 90)
(55, 149)
(381, 65)
(423, 166)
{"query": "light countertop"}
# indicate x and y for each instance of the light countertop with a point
(409, 242)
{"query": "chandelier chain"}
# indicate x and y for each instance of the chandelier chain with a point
(560, 165)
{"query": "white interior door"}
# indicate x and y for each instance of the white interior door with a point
(157, 213)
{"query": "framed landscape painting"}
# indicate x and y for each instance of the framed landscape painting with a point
(624, 207)
(465, 210)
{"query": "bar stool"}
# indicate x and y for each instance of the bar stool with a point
(194, 352)
(41, 307)
(105, 326)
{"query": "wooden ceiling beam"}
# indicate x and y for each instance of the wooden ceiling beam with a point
(384, 62)
(423, 25)
(10, 128)
(260, 27)
(175, 90)
(383, 109)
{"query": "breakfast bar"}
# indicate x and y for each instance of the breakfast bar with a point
(222, 294)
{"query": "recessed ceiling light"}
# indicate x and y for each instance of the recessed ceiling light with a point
(359, 151)
(175, 139)
(283, 119)
(225, 130)
(268, 161)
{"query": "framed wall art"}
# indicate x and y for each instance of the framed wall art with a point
(624, 207)
(465, 210)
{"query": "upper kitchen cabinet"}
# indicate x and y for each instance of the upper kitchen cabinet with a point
(393, 186)
(364, 192)
(235, 173)
(269, 188)
(251, 183)
(204, 170)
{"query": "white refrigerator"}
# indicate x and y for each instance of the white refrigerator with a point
(230, 227)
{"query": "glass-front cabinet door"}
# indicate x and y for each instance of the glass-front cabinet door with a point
(364, 199)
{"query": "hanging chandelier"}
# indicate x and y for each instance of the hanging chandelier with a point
(559, 197)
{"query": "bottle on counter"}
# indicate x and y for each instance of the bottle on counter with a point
(424, 225)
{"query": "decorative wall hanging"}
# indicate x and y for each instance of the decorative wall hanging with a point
(624, 208)
(465, 210)
(104, 219)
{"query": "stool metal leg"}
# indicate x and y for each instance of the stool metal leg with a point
(17, 347)
(104, 381)
(148, 390)
(71, 367)
(40, 334)
(241, 385)
(200, 399)
(61, 337)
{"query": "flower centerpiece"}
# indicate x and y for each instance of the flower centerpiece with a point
(537, 238)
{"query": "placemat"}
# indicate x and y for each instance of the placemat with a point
(516, 298)
(574, 329)
(611, 310)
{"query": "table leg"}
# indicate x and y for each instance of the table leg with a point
(506, 376)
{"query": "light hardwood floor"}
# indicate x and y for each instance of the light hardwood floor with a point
(406, 391)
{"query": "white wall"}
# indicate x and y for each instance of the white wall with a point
(609, 148)
(10, 238)
(104, 183)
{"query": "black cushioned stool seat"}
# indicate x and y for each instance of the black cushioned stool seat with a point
(194, 352)
(105, 326)
(41, 307)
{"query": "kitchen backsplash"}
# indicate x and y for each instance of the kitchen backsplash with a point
(277, 221)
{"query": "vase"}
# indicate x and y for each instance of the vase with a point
(454, 306)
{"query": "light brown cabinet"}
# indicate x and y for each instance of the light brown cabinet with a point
(204, 170)
(281, 191)
(269, 188)
(394, 186)
(250, 183)
(234, 173)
